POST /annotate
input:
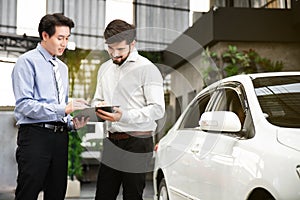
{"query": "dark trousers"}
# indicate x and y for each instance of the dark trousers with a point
(42, 157)
(124, 163)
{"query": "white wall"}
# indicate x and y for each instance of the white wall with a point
(186, 79)
(7, 95)
(8, 145)
(29, 18)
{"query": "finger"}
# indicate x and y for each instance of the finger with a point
(79, 99)
(106, 117)
(101, 103)
(75, 123)
(76, 120)
(104, 112)
(86, 120)
(83, 101)
(80, 105)
(117, 109)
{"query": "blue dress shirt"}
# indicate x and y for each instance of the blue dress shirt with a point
(35, 90)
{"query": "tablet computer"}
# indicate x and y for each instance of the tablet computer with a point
(106, 108)
(88, 112)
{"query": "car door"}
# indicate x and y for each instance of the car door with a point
(178, 156)
(214, 152)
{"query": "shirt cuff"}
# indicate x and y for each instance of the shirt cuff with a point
(60, 111)
(125, 117)
(71, 126)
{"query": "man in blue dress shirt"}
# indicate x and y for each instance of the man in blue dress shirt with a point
(43, 119)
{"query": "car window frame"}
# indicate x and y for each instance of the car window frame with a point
(194, 103)
(248, 129)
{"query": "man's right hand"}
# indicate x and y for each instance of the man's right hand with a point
(76, 104)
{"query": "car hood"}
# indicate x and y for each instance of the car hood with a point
(289, 137)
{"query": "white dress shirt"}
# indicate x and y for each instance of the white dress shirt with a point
(137, 87)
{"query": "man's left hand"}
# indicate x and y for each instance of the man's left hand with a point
(80, 122)
(113, 117)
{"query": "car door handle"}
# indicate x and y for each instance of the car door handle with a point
(168, 147)
(195, 149)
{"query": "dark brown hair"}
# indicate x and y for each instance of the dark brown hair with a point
(49, 21)
(118, 31)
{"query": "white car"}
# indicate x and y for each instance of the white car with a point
(92, 143)
(239, 139)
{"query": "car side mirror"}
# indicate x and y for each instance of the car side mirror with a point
(220, 121)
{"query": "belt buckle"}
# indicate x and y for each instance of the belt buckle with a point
(58, 128)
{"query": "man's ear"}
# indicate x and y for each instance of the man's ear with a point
(132, 44)
(45, 36)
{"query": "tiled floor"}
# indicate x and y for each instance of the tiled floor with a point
(88, 192)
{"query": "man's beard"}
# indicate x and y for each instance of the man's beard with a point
(122, 60)
(119, 62)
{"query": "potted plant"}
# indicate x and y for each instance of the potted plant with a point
(74, 162)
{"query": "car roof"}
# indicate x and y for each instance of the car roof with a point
(246, 77)
(270, 74)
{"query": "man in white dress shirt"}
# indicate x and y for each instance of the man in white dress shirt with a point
(134, 85)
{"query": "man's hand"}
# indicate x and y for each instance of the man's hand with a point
(113, 117)
(76, 104)
(80, 122)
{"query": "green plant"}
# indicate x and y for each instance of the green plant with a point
(263, 64)
(73, 60)
(210, 69)
(74, 153)
(232, 62)
(74, 161)
(235, 61)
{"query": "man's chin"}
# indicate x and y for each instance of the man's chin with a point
(118, 62)
(60, 52)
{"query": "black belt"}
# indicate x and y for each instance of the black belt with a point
(118, 136)
(56, 127)
(126, 135)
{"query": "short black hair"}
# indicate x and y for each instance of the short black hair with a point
(49, 21)
(118, 31)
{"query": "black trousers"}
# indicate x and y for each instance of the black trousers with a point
(42, 157)
(124, 163)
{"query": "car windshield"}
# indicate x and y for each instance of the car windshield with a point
(279, 98)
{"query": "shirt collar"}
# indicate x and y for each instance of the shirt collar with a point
(45, 53)
(133, 56)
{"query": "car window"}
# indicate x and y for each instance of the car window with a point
(279, 98)
(233, 98)
(228, 99)
(192, 116)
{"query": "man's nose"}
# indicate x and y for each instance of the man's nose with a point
(116, 53)
(64, 42)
